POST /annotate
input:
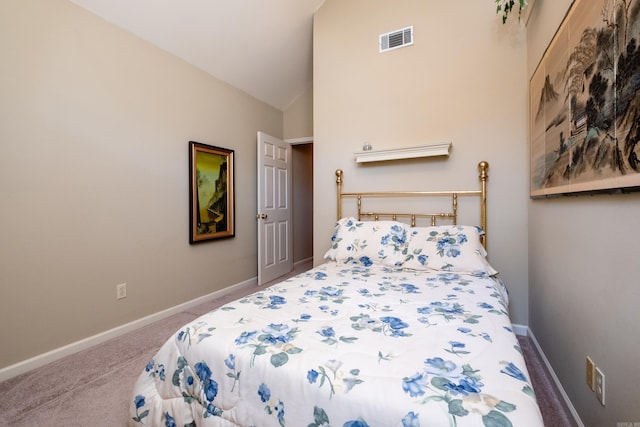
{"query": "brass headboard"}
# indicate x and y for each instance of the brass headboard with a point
(483, 167)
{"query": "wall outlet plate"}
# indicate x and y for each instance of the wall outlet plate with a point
(590, 373)
(599, 380)
(121, 291)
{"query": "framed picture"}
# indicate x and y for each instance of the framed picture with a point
(585, 103)
(211, 192)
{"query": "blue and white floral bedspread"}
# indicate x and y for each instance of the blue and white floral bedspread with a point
(345, 346)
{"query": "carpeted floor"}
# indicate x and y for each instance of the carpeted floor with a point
(93, 387)
(554, 410)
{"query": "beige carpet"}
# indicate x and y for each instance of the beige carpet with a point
(93, 387)
(90, 388)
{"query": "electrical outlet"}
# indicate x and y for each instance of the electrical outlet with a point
(590, 372)
(121, 291)
(599, 381)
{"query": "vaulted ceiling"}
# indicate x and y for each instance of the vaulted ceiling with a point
(263, 47)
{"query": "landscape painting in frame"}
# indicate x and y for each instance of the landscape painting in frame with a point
(211, 192)
(585, 102)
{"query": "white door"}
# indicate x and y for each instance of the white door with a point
(274, 208)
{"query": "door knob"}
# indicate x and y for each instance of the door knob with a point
(261, 216)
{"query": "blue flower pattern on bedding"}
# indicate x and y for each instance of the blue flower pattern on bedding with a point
(451, 248)
(296, 354)
(368, 243)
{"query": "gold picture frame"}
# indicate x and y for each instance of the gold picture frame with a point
(211, 192)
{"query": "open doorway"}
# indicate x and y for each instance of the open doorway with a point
(302, 200)
(285, 207)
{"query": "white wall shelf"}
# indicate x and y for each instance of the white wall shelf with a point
(403, 153)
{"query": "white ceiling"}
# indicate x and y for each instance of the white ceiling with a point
(263, 47)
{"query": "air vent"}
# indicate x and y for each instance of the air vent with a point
(396, 39)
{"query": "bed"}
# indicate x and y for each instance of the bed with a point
(403, 325)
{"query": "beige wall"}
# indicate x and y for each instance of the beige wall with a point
(584, 279)
(94, 131)
(298, 117)
(464, 81)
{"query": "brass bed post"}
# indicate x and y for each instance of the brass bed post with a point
(454, 205)
(483, 167)
(339, 184)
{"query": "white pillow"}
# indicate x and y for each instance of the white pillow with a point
(369, 242)
(454, 248)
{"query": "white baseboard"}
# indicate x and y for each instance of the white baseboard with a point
(555, 378)
(521, 330)
(67, 350)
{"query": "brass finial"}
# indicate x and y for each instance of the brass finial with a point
(483, 167)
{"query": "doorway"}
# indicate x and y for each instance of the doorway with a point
(302, 200)
(285, 207)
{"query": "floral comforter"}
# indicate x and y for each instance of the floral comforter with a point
(345, 346)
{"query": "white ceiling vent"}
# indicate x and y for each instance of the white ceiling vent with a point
(396, 39)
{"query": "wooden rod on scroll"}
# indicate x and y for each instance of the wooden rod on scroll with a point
(483, 167)
(339, 184)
